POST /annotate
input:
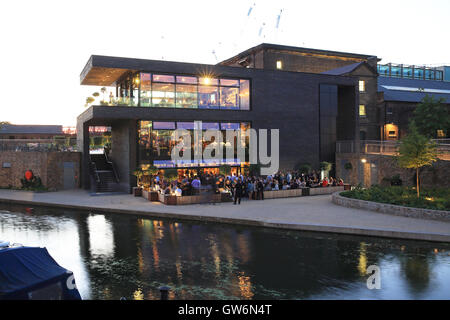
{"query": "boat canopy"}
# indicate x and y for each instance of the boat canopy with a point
(30, 273)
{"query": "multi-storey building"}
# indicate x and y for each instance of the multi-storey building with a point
(314, 97)
(150, 99)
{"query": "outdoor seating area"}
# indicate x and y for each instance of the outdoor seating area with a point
(170, 189)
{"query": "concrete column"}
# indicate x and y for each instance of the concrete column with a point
(83, 147)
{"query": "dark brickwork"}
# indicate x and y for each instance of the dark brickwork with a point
(318, 61)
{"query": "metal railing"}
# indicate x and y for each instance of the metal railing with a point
(387, 147)
(113, 168)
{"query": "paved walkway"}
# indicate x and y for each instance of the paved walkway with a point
(313, 213)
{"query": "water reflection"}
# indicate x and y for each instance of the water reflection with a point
(116, 256)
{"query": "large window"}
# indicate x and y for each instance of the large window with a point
(418, 73)
(429, 74)
(244, 94)
(163, 95)
(208, 97)
(156, 145)
(146, 90)
(169, 91)
(186, 96)
(229, 98)
(407, 72)
(145, 131)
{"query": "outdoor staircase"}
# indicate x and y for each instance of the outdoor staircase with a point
(104, 178)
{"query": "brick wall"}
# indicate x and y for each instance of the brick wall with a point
(378, 167)
(49, 166)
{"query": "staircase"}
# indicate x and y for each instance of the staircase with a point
(104, 178)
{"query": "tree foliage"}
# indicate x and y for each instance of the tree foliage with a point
(416, 151)
(432, 115)
(326, 166)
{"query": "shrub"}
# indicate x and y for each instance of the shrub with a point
(435, 198)
(326, 166)
(33, 184)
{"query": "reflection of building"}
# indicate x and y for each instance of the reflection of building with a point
(150, 99)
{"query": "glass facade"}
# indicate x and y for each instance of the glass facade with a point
(407, 72)
(156, 145)
(181, 91)
(410, 72)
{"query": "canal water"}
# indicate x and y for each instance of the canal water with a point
(116, 256)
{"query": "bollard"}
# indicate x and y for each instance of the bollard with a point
(164, 292)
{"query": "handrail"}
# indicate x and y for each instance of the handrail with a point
(94, 169)
(113, 169)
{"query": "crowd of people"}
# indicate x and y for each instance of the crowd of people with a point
(243, 186)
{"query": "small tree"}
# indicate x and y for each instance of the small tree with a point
(138, 173)
(326, 167)
(416, 151)
(432, 115)
(151, 171)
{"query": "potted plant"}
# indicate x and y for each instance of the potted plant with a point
(152, 171)
(137, 191)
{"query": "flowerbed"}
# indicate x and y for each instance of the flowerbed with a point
(436, 198)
